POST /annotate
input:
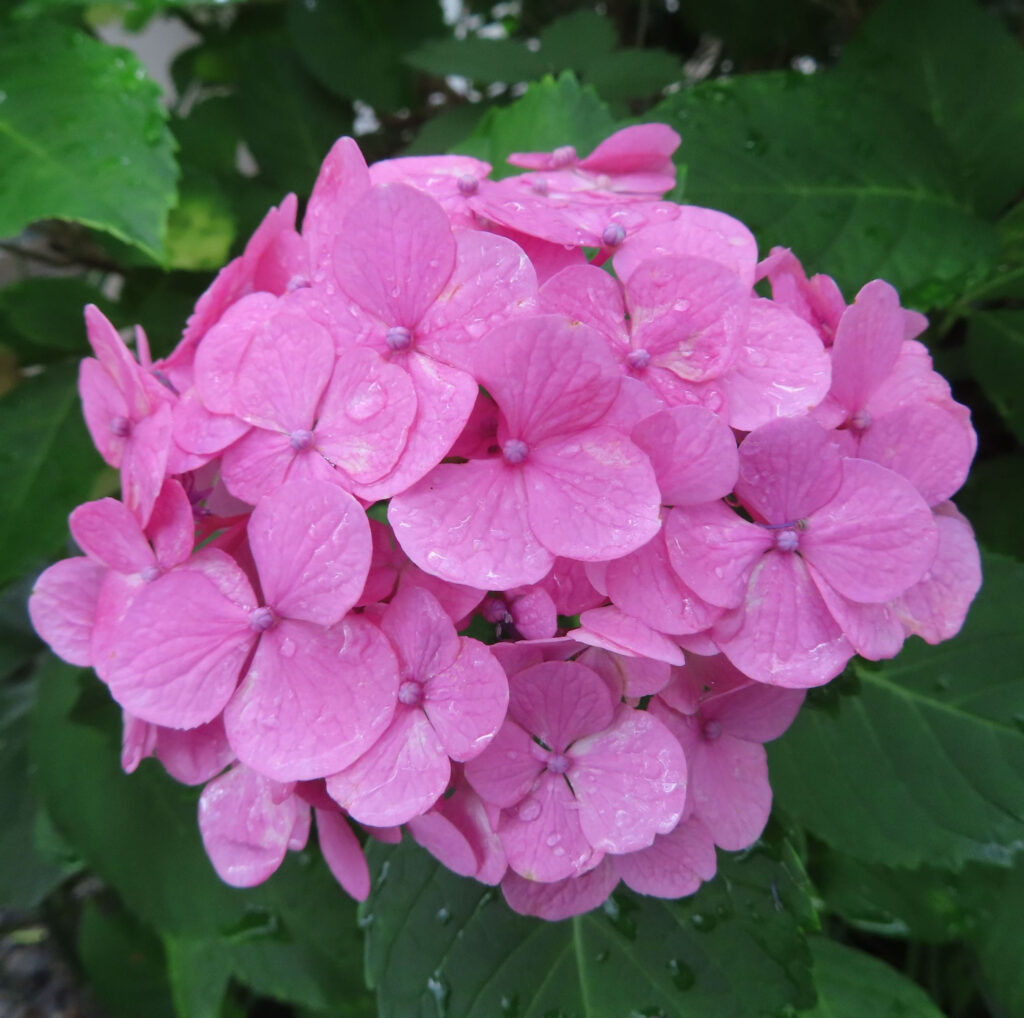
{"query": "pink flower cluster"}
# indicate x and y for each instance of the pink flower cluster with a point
(676, 503)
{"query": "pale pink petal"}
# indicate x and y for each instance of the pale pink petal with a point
(343, 853)
(138, 740)
(713, 550)
(492, 280)
(260, 462)
(300, 832)
(468, 523)
(614, 630)
(874, 538)
(780, 370)
(587, 294)
(400, 776)
(674, 866)
(246, 826)
(936, 606)
(445, 842)
(591, 495)
(195, 755)
(867, 343)
(144, 462)
(421, 632)
(394, 253)
(570, 588)
(506, 771)
(560, 899)
(311, 544)
(62, 607)
(313, 699)
(116, 360)
(874, 630)
(627, 676)
(107, 532)
(342, 181)
(783, 633)
(788, 469)
(542, 836)
(630, 781)
(171, 526)
(559, 702)
(693, 453)
(200, 434)
(732, 797)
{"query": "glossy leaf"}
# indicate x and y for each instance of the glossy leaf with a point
(995, 349)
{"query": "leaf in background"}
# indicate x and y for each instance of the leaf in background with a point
(953, 61)
(160, 302)
(357, 49)
(577, 41)
(856, 186)
(991, 500)
(852, 984)
(48, 466)
(201, 227)
(633, 73)
(995, 348)
(439, 944)
(82, 137)
(926, 763)
(41, 318)
(199, 972)
(445, 130)
(481, 60)
(551, 113)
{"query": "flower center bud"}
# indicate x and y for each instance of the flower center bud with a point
(495, 610)
(149, 574)
(296, 283)
(861, 420)
(638, 359)
(563, 155)
(261, 619)
(300, 439)
(410, 692)
(468, 184)
(613, 235)
(539, 186)
(398, 337)
(711, 730)
(121, 426)
(558, 763)
(604, 182)
(514, 450)
(787, 540)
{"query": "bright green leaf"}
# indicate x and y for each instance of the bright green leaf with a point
(199, 972)
(82, 137)
(925, 762)
(201, 228)
(995, 347)
(438, 944)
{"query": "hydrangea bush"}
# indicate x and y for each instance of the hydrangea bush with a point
(518, 514)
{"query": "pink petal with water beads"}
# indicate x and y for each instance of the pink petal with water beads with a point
(439, 176)
(422, 634)
(674, 866)
(108, 532)
(780, 370)
(712, 549)
(313, 699)
(62, 607)
(783, 633)
(522, 654)
(467, 523)
(117, 361)
(587, 294)
(817, 301)
(570, 588)
(342, 181)
(394, 254)
(563, 898)
(400, 776)
(261, 461)
(199, 435)
(641, 148)
(698, 233)
(874, 630)
(458, 600)
(445, 842)
(343, 853)
(506, 771)
(144, 462)
(936, 606)
(867, 343)
(542, 836)
(614, 630)
(874, 538)
(788, 469)
(182, 643)
(644, 585)
(693, 453)
(632, 677)
(912, 380)
(195, 755)
(246, 824)
(546, 258)
(311, 544)
(533, 612)
(559, 702)
(591, 495)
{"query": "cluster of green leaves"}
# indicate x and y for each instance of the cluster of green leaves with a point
(891, 878)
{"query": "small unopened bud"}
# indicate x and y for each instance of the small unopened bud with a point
(613, 235)
(398, 337)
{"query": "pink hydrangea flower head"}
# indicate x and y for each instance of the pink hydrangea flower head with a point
(449, 180)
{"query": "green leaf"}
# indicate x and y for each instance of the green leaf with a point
(199, 972)
(41, 318)
(633, 73)
(950, 59)
(859, 187)
(48, 466)
(82, 137)
(852, 984)
(925, 762)
(551, 113)
(997, 936)
(990, 500)
(995, 348)
(577, 41)
(480, 60)
(438, 944)
(202, 226)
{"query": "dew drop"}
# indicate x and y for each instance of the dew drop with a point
(683, 977)
(703, 923)
(529, 811)
(444, 915)
(440, 991)
(365, 920)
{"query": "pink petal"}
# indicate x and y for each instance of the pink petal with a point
(616, 631)
(562, 898)
(246, 826)
(421, 632)
(107, 532)
(693, 453)
(506, 771)
(195, 755)
(559, 702)
(467, 523)
(592, 495)
(780, 370)
(171, 527)
(102, 404)
(313, 699)
(145, 461)
(627, 676)
(533, 613)
(458, 600)
(630, 781)
(585, 293)
(546, 258)
(261, 461)
(874, 630)
(400, 776)
(342, 181)
(117, 361)
(138, 739)
(817, 301)
(874, 538)
(311, 544)
(569, 587)
(199, 432)
(394, 253)
(343, 853)
(674, 866)
(788, 470)
(445, 842)
(62, 607)
(912, 380)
